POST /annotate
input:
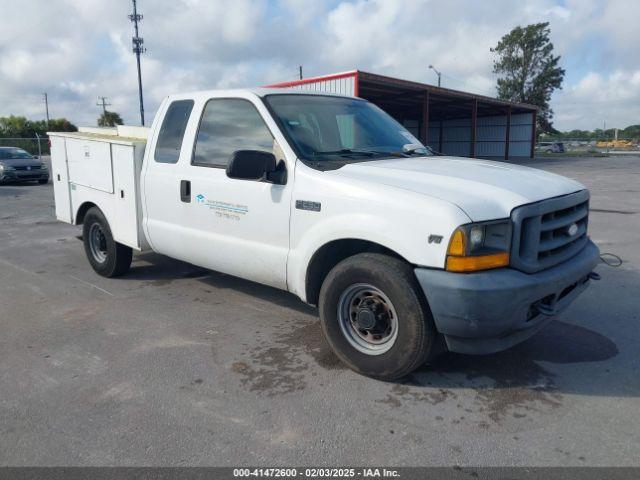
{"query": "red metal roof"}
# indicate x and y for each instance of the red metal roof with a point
(373, 78)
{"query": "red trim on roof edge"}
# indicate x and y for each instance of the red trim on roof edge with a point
(356, 84)
(304, 81)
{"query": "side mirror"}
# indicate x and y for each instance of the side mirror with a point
(255, 165)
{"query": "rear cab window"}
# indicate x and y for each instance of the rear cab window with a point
(172, 131)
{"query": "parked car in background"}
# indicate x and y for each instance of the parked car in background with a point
(18, 165)
(550, 147)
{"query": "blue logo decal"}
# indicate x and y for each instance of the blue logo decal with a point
(200, 198)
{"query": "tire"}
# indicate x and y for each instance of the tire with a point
(387, 287)
(107, 257)
(43, 181)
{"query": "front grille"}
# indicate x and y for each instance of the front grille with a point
(35, 167)
(541, 236)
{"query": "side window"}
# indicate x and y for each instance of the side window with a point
(228, 125)
(172, 131)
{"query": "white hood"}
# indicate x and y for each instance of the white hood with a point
(483, 189)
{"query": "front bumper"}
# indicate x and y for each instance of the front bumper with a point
(8, 176)
(489, 311)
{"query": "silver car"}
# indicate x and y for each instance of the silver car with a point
(18, 165)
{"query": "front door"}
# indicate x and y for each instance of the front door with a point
(233, 226)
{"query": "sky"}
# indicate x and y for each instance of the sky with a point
(78, 50)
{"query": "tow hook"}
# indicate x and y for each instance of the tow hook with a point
(594, 276)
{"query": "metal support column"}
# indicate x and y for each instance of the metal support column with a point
(424, 126)
(508, 134)
(534, 119)
(474, 125)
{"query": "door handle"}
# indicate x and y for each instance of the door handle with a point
(185, 191)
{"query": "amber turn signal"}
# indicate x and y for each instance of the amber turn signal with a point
(480, 262)
(456, 246)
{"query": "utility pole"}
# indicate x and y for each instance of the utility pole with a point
(300, 70)
(437, 73)
(46, 106)
(138, 49)
(103, 103)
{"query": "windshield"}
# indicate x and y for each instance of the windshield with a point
(338, 129)
(7, 153)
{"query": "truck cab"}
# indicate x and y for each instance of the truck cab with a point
(404, 252)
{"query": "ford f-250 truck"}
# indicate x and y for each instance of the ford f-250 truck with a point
(328, 197)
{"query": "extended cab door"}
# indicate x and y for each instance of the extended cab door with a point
(196, 213)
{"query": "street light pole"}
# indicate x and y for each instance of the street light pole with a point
(437, 73)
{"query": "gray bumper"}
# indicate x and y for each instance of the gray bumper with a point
(22, 176)
(490, 311)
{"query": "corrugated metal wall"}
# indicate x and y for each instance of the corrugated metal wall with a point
(490, 136)
(344, 86)
(520, 135)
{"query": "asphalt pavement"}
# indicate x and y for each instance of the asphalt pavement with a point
(176, 365)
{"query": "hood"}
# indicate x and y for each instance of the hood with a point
(483, 189)
(21, 162)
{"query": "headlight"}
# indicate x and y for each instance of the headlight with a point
(43, 166)
(479, 246)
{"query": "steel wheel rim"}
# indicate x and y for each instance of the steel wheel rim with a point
(97, 243)
(353, 305)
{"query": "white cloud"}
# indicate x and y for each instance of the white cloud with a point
(77, 50)
(599, 98)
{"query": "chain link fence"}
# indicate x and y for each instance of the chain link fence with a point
(34, 145)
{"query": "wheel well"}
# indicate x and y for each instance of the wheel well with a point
(82, 211)
(332, 253)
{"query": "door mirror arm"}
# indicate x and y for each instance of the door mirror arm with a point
(279, 175)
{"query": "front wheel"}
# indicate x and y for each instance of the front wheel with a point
(107, 257)
(375, 317)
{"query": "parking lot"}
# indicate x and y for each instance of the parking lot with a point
(176, 365)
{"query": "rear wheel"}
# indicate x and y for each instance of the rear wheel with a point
(375, 317)
(107, 257)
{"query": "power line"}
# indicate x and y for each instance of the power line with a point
(138, 49)
(103, 103)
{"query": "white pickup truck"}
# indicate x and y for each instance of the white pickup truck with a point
(326, 196)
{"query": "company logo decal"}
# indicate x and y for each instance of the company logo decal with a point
(225, 210)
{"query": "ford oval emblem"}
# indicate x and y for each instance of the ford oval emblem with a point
(572, 229)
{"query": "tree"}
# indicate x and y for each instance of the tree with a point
(22, 132)
(109, 119)
(528, 71)
(19, 127)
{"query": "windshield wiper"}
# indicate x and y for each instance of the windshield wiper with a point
(348, 151)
